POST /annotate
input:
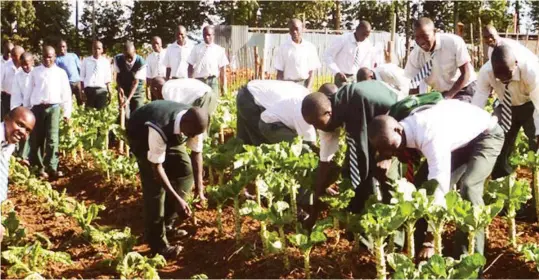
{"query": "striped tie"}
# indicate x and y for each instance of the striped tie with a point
(94, 73)
(356, 60)
(425, 71)
(505, 120)
(4, 170)
(354, 167)
(158, 65)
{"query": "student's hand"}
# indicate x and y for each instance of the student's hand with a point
(382, 168)
(183, 208)
(200, 194)
(67, 120)
(124, 102)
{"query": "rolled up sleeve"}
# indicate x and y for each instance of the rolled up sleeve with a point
(196, 143)
(157, 147)
(439, 162)
(329, 144)
(484, 87)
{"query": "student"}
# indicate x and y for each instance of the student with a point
(96, 77)
(207, 62)
(389, 73)
(270, 112)
(297, 59)
(456, 150)
(22, 88)
(156, 65)
(17, 126)
(70, 62)
(131, 74)
(9, 70)
(442, 61)
(50, 93)
(157, 134)
(516, 84)
(492, 39)
(351, 108)
(349, 53)
(177, 55)
(187, 91)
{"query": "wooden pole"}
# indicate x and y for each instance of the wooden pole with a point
(455, 16)
(472, 43)
(481, 51)
(337, 17)
(506, 31)
(407, 32)
(257, 63)
(536, 45)
(94, 36)
(122, 125)
(391, 43)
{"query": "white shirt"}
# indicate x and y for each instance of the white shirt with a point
(393, 75)
(158, 146)
(524, 86)
(8, 150)
(207, 60)
(185, 91)
(288, 112)
(268, 92)
(95, 72)
(521, 52)
(176, 59)
(8, 75)
(436, 135)
(22, 87)
(341, 55)
(51, 86)
(296, 60)
(141, 73)
(450, 53)
(156, 64)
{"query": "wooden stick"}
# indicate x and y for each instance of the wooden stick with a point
(481, 53)
(122, 125)
(472, 43)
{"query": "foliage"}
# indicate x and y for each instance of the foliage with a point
(437, 267)
(18, 19)
(531, 253)
(134, 265)
(31, 258)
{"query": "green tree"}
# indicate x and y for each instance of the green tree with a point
(379, 14)
(160, 18)
(52, 24)
(17, 20)
(277, 13)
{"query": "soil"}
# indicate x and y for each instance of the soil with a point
(219, 256)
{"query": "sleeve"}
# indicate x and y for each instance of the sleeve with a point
(196, 143)
(412, 67)
(141, 73)
(223, 61)
(149, 70)
(157, 147)
(167, 58)
(278, 62)
(315, 61)
(439, 162)
(108, 72)
(67, 104)
(533, 86)
(116, 68)
(331, 53)
(83, 70)
(462, 55)
(484, 87)
(329, 144)
(77, 62)
(16, 95)
(192, 59)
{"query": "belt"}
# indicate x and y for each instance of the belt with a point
(46, 105)
(349, 75)
(207, 78)
(297, 81)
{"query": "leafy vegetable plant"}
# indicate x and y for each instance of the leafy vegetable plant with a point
(31, 258)
(134, 265)
(14, 232)
(437, 267)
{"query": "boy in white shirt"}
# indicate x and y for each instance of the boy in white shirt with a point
(9, 70)
(96, 75)
(22, 87)
(156, 66)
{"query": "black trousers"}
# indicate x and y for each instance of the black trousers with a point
(6, 103)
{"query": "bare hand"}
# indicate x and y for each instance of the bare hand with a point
(427, 250)
(311, 220)
(183, 208)
(342, 76)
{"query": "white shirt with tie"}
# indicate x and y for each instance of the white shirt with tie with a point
(157, 66)
(521, 52)
(296, 60)
(8, 75)
(524, 86)
(436, 135)
(450, 52)
(393, 75)
(207, 60)
(185, 91)
(158, 146)
(22, 87)
(268, 92)
(347, 55)
(95, 72)
(176, 59)
(50, 85)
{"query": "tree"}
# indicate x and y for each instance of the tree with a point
(379, 14)
(17, 20)
(160, 18)
(534, 15)
(277, 13)
(111, 25)
(52, 24)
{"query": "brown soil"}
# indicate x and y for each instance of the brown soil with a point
(219, 256)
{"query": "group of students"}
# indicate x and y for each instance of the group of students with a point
(462, 143)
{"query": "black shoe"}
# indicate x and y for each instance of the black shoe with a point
(170, 252)
(173, 232)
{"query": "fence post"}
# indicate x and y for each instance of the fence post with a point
(481, 53)
(472, 43)
(257, 63)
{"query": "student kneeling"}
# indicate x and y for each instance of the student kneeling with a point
(157, 133)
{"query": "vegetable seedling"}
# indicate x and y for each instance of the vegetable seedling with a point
(437, 267)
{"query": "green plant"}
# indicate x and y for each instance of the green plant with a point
(379, 222)
(437, 267)
(31, 258)
(515, 193)
(338, 204)
(14, 232)
(471, 218)
(531, 253)
(134, 265)
(306, 241)
(219, 196)
(531, 159)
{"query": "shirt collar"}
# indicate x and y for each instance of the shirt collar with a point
(177, 122)
(3, 141)
(409, 135)
(438, 45)
(516, 74)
